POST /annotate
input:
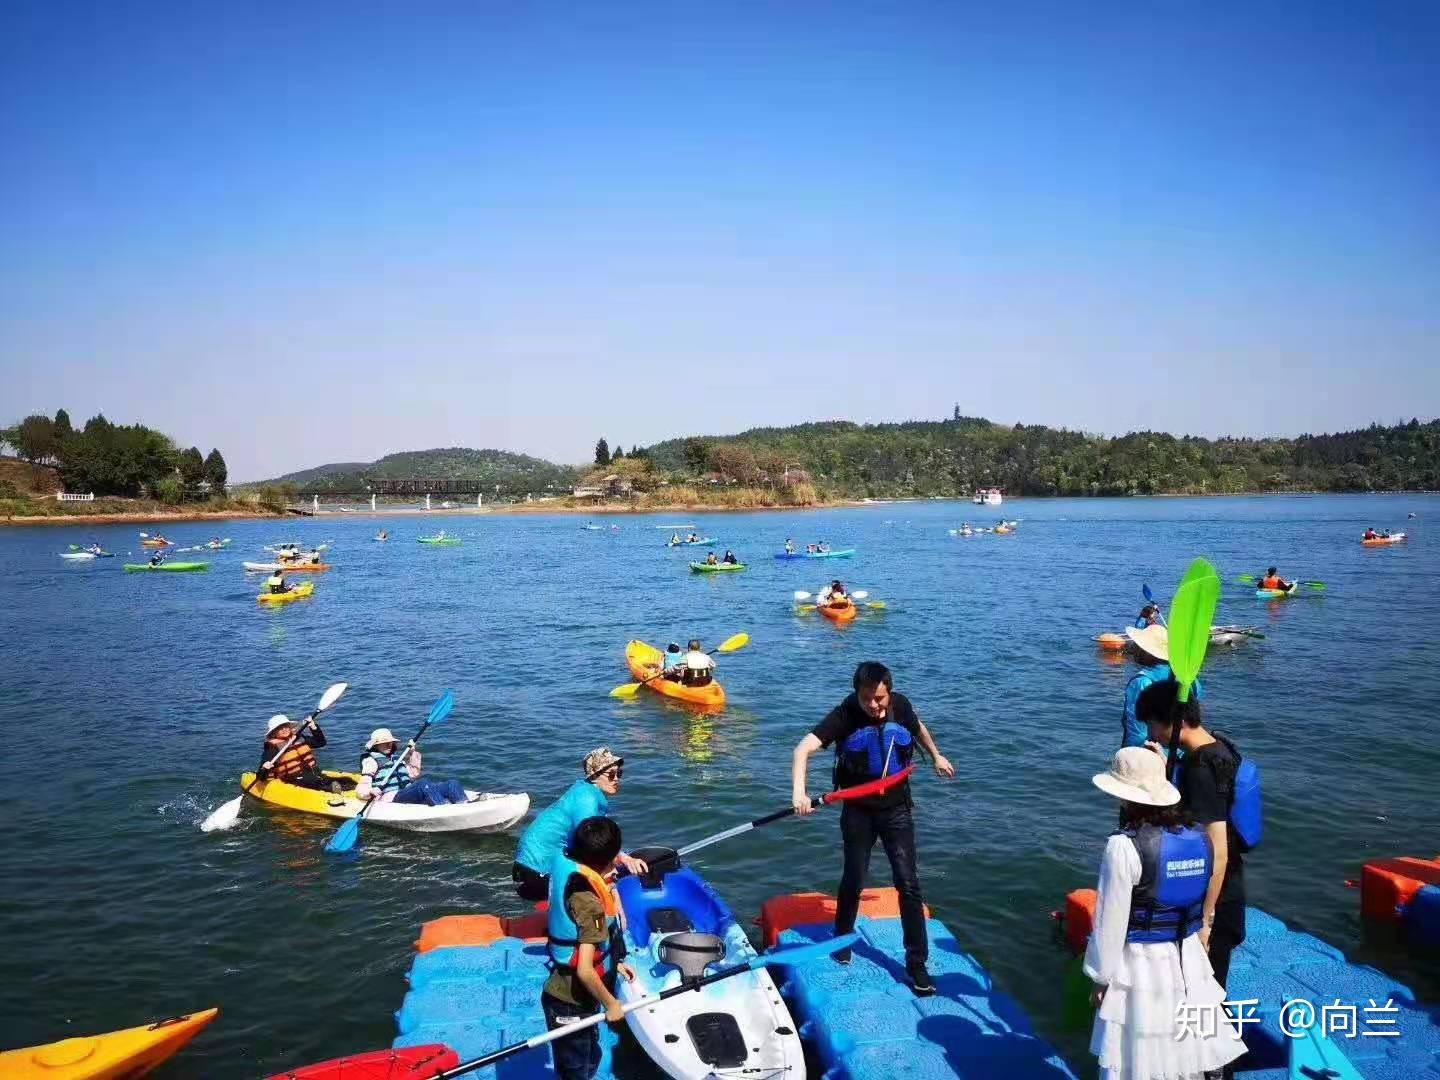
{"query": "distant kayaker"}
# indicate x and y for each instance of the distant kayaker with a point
(789, 546)
(675, 539)
(1370, 534)
(1152, 653)
(1149, 616)
(833, 594)
(276, 583)
(585, 945)
(823, 546)
(811, 549)
(710, 560)
(1206, 778)
(693, 538)
(379, 777)
(698, 667)
(1147, 952)
(157, 558)
(874, 732)
(547, 836)
(297, 765)
(1273, 580)
(730, 559)
(383, 535)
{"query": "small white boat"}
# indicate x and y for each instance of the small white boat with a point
(988, 497)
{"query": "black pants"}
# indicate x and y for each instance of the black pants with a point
(528, 884)
(895, 828)
(576, 1057)
(1226, 934)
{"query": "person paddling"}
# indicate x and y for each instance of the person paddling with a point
(379, 779)
(730, 559)
(1273, 580)
(1370, 534)
(874, 732)
(585, 945)
(158, 557)
(710, 560)
(1152, 653)
(276, 583)
(833, 595)
(297, 765)
(789, 546)
(1149, 616)
(697, 667)
(547, 836)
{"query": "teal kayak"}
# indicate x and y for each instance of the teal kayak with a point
(717, 568)
(687, 543)
(172, 567)
(1278, 594)
(845, 554)
(442, 541)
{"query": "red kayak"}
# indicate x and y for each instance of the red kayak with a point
(410, 1063)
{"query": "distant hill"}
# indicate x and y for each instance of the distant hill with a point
(513, 473)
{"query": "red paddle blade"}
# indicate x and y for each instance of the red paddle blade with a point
(870, 788)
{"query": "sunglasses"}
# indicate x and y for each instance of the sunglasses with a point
(615, 773)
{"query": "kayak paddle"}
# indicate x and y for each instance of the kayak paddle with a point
(858, 791)
(349, 831)
(792, 957)
(729, 645)
(1150, 599)
(226, 814)
(1191, 613)
(1249, 579)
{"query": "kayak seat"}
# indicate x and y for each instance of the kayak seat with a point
(691, 953)
(718, 1040)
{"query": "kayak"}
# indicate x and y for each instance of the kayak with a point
(1380, 541)
(85, 555)
(1231, 635)
(739, 1026)
(1112, 642)
(409, 1063)
(645, 662)
(288, 568)
(689, 543)
(117, 1055)
(593, 528)
(156, 543)
(485, 812)
(841, 613)
(172, 567)
(718, 568)
(1277, 594)
(299, 592)
(441, 541)
(845, 554)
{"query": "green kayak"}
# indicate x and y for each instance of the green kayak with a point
(717, 568)
(172, 567)
(437, 540)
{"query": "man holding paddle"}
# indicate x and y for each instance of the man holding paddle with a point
(874, 732)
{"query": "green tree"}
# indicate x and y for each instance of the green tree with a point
(602, 452)
(696, 453)
(216, 473)
(169, 489)
(35, 439)
(192, 467)
(62, 424)
(618, 455)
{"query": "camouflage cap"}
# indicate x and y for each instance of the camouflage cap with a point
(600, 759)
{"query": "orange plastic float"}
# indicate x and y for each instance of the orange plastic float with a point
(453, 930)
(780, 913)
(1388, 885)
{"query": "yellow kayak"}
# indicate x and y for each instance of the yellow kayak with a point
(299, 592)
(119, 1055)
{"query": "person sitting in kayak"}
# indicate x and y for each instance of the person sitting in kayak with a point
(674, 662)
(157, 558)
(585, 944)
(710, 560)
(823, 547)
(675, 539)
(698, 666)
(833, 595)
(379, 778)
(1149, 616)
(297, 765)
(547, 836)
(730, 559)
(1272, 580)
(693, 538)
(276, 583)
(789, 546)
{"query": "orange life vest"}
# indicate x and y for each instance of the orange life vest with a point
(1272, 583)
(295, 762)
(562, 935)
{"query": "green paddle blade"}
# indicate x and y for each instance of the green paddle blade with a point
(1191, 613)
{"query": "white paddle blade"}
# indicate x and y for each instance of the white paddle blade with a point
(331, 696)
(860, 595)
(224, 816)
(801, 594)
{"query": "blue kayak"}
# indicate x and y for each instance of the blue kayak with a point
(737, 1026)
(845, 554)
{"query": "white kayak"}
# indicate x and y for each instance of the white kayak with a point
(1233, 635)
(78, 555)
(271, 567)
(737, 1027)
(485, 812)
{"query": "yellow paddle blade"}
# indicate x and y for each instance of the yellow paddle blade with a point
(876, 605)
(739, 641)
(629, 690)
(805, 609)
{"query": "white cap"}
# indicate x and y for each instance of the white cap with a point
(275, 721)
(378, 736)
(1137, 775)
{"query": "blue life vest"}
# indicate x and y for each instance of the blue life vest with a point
(381, 782)
(1247, 816)
(863, 755)
(1167, 903)
(549, 834)
(562, 936)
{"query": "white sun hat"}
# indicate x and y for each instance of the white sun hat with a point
(275, 721)
(379, 736)
(1154, 640)
(1137, 775)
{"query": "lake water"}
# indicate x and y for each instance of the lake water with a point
(133, 701)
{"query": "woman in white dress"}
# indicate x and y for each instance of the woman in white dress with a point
(1159, 1011)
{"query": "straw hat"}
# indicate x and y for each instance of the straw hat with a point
(1137, 775)
(276, 721)
(1154, 640)
(378, 737)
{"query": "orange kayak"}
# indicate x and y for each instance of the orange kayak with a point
(155, 543)
(841, 613)
(646, 661)
(118, 1055)
(1112, 642)
(1382, 540)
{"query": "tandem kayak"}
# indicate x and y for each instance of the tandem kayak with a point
(690, 543)
(287, 568)
(118, 1055)
(172, 567)
(841, 613)
(1381, 541)
(485, 812)
(299, 592)
(739, 1026)
(717, 568)
(845, 554)
(646, 662)
(407, 1063)
(438, 541)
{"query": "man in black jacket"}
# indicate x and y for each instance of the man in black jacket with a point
(875, 732)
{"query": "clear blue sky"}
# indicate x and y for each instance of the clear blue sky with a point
(316, 232)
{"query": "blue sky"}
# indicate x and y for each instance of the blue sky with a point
(319, 232)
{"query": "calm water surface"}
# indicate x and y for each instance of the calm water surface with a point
(132, 703)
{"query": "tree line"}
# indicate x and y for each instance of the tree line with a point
(128, 460)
